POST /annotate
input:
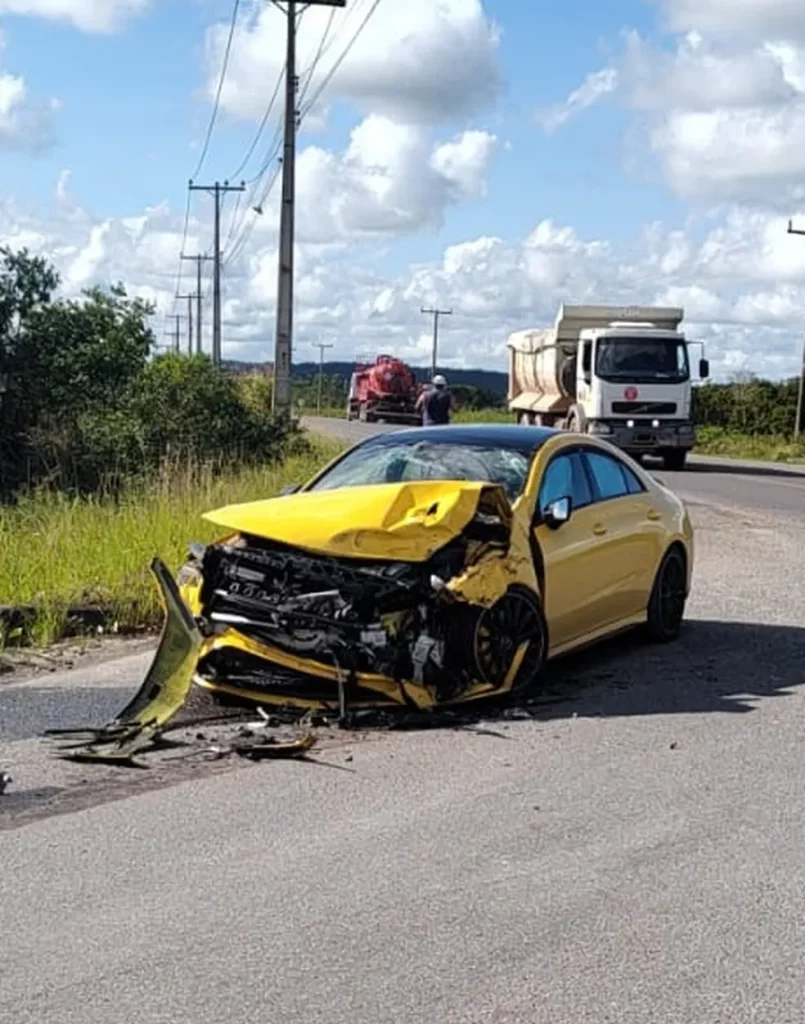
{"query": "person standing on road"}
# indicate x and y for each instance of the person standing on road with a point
(436, 403)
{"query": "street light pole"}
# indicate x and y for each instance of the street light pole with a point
(283, 335)
(436, 313)
(798, 425)
(321, 346)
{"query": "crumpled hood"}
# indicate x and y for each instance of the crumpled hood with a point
(401, 522)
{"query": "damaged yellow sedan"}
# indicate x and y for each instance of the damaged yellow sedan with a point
(423, 567)
(432, 566)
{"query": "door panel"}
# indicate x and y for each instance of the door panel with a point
(572, 585)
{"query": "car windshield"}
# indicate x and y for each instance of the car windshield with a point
(641, 360)
(425, 460)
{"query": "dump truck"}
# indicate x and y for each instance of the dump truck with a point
(385, 390)
(621, 373)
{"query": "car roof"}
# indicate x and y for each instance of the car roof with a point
(488, 435)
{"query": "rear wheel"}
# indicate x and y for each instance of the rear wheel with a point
(666, 606)
(501, 631)
(674, 459)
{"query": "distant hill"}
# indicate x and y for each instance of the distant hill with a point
(491, 380)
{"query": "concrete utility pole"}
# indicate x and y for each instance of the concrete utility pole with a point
(178, 319)
(217, 190)
(798, 425)
(198, 261)
(189, 296)
(321, 346)
(283, 336)
(436, 313)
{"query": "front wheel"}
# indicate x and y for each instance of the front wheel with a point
(666, 606)
(510, 642)
(675, 459)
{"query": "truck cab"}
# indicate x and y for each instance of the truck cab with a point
(622, 374)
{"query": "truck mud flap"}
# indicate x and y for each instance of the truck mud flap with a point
(162, 694)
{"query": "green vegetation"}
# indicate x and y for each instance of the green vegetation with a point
(768, 448)
(57, 550)
(83, 407)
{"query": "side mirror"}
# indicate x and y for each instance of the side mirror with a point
(704, 369)
(290, 489)
(557, 513)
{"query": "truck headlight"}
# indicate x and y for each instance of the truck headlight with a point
(630, 423)
(655, 423)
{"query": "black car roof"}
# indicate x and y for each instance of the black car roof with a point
(488, 435)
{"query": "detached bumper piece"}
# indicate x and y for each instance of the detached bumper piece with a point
(160, 697)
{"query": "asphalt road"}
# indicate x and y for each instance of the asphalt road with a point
(631, 853)
(727, 482)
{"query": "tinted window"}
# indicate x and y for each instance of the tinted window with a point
(565, 477)
(609, 474)
(633, 484)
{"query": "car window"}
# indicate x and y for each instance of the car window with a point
(632, 482)
(610, 476)
(565, 478)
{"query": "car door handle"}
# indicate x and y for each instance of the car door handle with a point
(652, 514)
(599, 529)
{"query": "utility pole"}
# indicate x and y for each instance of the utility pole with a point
(436, 313)
(189, 296)
(177, 317)
(216, 191)
(198, 261)
(321, 346)
(798, 425)
(283, 335)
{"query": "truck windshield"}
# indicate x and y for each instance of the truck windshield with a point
(642, 360)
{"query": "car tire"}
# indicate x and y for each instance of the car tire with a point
(674, 459)
(666, 606)
(497, 634)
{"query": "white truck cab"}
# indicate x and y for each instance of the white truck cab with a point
(620, 373)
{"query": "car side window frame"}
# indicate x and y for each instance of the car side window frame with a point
(626, 473)
(576, 451)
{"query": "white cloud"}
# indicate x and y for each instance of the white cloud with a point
(419, 62)
(594, 88)
(24, 124)
(723, 113)
(87, 15)
(740, 278)
(748, 19)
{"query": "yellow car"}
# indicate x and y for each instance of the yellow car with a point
(423, 567)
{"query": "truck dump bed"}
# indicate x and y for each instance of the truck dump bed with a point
(542, 366)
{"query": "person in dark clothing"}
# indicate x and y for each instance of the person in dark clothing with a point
(436, 403)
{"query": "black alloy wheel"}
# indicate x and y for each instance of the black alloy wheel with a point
(500, 630)
(666, 607)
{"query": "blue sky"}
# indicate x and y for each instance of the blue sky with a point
(134, 104)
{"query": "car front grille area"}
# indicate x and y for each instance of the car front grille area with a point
(310, 605)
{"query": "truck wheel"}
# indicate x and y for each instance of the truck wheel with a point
(674, 459)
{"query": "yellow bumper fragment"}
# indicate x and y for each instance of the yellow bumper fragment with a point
(161, 695)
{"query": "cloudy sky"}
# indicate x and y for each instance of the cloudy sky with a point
(496, 157)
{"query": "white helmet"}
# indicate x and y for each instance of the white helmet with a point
(439, 381)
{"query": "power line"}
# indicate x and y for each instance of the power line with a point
(262, 125)
(221, 79)
(310, 71)
(181, 249)
(329, 76)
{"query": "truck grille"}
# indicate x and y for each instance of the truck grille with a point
(644, 408)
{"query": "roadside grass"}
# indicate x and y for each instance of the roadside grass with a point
(763, 447)
(57, 551)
